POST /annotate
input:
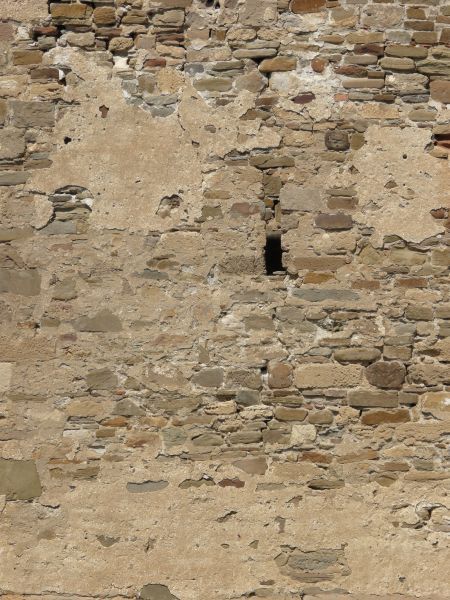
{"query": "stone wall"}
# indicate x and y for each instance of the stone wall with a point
(224, 297)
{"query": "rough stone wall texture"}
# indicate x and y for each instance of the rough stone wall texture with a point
(175, 423)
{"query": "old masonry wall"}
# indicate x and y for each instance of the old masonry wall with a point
(175, 422)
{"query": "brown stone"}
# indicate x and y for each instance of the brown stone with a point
(280, 375)
(156, 591)
(120, 45)
(101, 379)
(279, 63)
(440, 90)
(318, 64)
(61, 12)
(304, 98)
(369, 399)
(406, 51)
(214, 84)
(386, 374)
(363, 83)
(290, 414)
(27, 57)
(104, 15)
(362, 355)
(338, 221)
(6, 32)
(318, 263)
(307, 6)
(379, 417)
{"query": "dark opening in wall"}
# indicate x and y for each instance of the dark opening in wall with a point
(273, 253)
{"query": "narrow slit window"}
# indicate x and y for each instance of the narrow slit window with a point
(273, 253)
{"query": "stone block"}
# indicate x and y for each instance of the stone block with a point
(326, 375)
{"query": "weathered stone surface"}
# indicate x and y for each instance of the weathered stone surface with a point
(225, 329)
(22, 282)
(156, 591)
(12, 143)
(357, 354)
(379, 417)
(383, 374)
(19, 479)
(101, 379)
(209, 378)
(327, 375)
(279, 63)
(307, 6)
(334, 222)
(337, 140)
(440, 90)
(303, 434)
(33, 114)
(369, 399)
(104, 321)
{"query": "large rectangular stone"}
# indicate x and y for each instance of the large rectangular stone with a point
(33, 114)
(325, 375)
(372, 399)
(322, 294)
(363, 83)
(13, 177)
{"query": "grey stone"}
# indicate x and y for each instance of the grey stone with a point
(247, 397)
(13, 177)
(146, 486)
(320, 295)
(156, 591)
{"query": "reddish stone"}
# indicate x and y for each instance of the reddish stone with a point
(439, 213)
(6, 32)
(318, 64)
(153, 63)
(304, 98)
(45, 73)
(376, 49)
(49, 30)
(351, 70)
